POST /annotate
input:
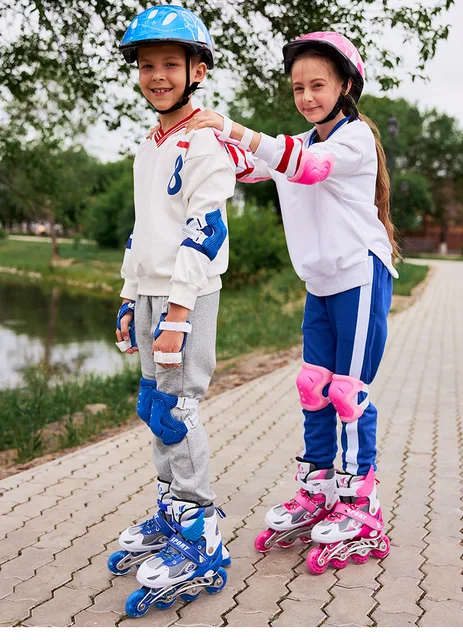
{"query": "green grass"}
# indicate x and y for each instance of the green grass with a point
(434, 256)
(90, 264)
(25, 412)
(409, 276)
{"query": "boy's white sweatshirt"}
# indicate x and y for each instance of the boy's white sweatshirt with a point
(176, 177)
(330, 226)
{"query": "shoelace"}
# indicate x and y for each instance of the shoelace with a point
(293, 505)
(149, 525)
(169, 553)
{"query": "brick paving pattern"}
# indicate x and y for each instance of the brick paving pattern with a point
(60, 521)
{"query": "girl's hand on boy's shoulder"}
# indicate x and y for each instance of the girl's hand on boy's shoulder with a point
(152, 131)
(206, 118)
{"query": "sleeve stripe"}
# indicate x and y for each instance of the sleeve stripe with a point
(283, 165)
(233, 154)
(244, 173)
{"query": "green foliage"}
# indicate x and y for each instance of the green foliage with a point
(412, 200)
(43, 180)
(266, 315)
(25, 412)
(3, 233)
(60, 62)
(257, 244)
(110, 217)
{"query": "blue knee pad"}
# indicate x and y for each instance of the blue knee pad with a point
(162, 423)
(145, 399)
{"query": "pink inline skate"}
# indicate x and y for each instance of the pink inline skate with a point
(295, 519)
(352, 529)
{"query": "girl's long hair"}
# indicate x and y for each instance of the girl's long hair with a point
(383, 183)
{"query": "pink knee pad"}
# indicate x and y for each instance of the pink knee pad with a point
(342, 393)
(310, 383)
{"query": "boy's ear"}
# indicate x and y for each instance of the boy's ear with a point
(198, 72)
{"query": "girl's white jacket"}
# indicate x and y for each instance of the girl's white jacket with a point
(176, 177)
(330, 226)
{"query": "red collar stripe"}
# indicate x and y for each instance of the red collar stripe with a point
(160, 136)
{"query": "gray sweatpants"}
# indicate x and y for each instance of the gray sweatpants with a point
(185, 464)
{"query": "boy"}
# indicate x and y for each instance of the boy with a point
(172, 267)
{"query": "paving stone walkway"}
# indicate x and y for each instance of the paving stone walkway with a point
(60, 521)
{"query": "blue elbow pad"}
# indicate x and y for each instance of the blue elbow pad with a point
(206, 239)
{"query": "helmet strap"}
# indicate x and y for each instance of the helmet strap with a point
(334, 111)
(189, 89)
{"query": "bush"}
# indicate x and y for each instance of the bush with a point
(3, 233)
(111, 215)
(257, 244)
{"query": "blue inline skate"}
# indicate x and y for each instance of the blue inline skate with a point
(140, 541)
(192, 560)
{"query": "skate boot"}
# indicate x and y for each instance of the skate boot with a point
(292, 520)
(353, 528)
(191, 561)
(140, 541)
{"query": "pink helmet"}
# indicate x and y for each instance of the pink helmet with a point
(337, 48)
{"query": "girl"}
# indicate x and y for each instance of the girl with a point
(333, 188)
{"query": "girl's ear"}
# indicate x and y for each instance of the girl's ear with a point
(349, 85)
(199, 72)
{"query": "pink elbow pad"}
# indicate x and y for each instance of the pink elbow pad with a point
(313, 169)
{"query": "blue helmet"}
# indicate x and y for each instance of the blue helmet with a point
(168, 23)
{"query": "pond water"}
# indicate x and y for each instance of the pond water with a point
(74, 332)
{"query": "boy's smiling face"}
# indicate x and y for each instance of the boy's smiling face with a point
(162, 74)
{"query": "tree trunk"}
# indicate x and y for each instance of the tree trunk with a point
(54, 240)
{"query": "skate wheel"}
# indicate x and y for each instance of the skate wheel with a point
(313, 562)
(383, 550)
(220, 580)
(134, 607)
(162, 604)
(260, 543)
(284, 545)
(359, 558)
(114, 560)
(189, 597)
(337, 563)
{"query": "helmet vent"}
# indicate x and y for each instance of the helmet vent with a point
(152, 14)
(169, 18)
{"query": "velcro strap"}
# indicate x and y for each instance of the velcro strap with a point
(162, 506)
(359, 516)
(123, 345)
(193, 231)
(246, 140)
(167, 358)
(226, 131)
(304, 502)
(179, 327)
(189, 551)
(187, 403)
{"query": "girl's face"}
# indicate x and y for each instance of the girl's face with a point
(316, 87)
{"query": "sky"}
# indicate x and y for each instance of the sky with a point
(443, 91)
